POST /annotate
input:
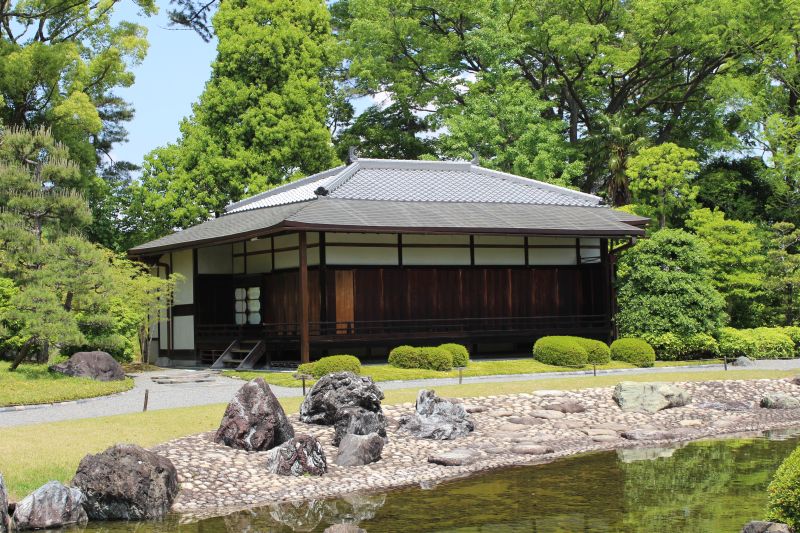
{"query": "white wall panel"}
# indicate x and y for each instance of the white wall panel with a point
(183, 332)
(552, 256)
(362, 238)
(436, 256)
(290, 259)
(360, 255)
(259, 263)
(182, 264)
(499, 256)
(214, 259)
(462, 240)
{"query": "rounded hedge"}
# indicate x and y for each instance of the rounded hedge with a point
(634, 351)
(758, 343)
(783, 492)
(435, 358)
(793, 332)
(560, 351)
(405, 357)
(458, 351)
(599, 353)
(331, 364)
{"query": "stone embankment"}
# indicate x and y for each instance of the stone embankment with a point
(509, 430)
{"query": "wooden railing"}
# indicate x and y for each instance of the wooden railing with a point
(483, 326)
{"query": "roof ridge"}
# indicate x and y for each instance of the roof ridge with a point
(285, 187)
(340, 179)
(536, 183)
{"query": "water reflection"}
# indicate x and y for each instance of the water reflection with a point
(702, 486)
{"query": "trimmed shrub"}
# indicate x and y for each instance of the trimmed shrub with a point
(634, 351)
(598, 351)
(405, 357)
(699, 346)
(458, 351)
(758, 343)
(672, 347)
(793, 332)
(435, 358)
(783, 492)
(331, 364)
(560, 351)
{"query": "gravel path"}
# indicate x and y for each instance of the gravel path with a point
(221, 389)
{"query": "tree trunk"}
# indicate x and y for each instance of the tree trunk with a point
(68, 301)
(22, 354)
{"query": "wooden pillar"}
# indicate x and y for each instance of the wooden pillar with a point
(608, 293)
(303, 318)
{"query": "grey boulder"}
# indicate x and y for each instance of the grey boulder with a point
(359, 450)
(52, 505)
(779, 400)
(254, 419)
(567, 406)
(298, 456)
(437, 418)
(649, 397)
(357, 421)
(742, 361)
(757, 526)
(337, 391)
(95, 365)
(126, 482)
(5, 518)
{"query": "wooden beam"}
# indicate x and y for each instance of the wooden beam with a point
(303, 289)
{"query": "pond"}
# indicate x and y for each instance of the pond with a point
(713, 485)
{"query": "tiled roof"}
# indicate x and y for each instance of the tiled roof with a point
(410, 196)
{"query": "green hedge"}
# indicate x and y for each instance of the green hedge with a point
(757, 343)
(458, 351)
(634, 351)
(599, 353)
(331, 364)
(427, 357)
(405, 357)
(784, 492)
(560, 351)
(673, 347)
(793, 332)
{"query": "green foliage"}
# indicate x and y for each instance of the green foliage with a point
(660, 178)
(261, 120)
(673, 347)
(434, 358)
(758, 343)
(784, 492)
(405, 357)
(598, 351)
(560, 351)
(793, 332)
(330, 364)
(389, 133)
(736, 251)
(634, 351)
(665, 286)
(783, 272)
(459, 352)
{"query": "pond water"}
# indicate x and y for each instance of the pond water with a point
(708, 486)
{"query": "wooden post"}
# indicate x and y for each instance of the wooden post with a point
(303, 318)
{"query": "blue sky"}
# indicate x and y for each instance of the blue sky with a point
(169, 80)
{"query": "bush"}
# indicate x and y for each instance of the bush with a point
(333, 363)
(434, 358)
(793, 332)
(784, 492)
(459, 352)
(758, 343)
(634, 351)
(560, 351)
(673, 347)
(405, 357)
(599, 353)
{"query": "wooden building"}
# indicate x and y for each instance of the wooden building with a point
(363, 257)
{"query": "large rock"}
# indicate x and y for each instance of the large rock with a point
(301, 455)
(359, 450)
(126, 482)
(50, 506)
(742, 361)
(437, 418)
(95, 365)
(254, 419)
(336, 391)
(758, 526)
(5, 519)
(456, 457)
(649, 397)
(357, 421)
(779, 400)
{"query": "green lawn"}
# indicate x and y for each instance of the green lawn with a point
(475, 368)
(33, 455)
(34, 384)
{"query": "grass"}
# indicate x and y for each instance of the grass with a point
(33, 455)
(475, 368)
(34, 384)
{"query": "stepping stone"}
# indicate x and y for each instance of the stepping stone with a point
(567, 406)
(510, 428)
(549, 415)
(574, 424)
(550, 393)
(526, 420)
(475, 408)
(501, 412)
(594, 432)
(692, 422)
(531, 449)
(604, 438)
(648, 434)
(456, 457)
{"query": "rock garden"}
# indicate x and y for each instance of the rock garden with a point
(344, 442)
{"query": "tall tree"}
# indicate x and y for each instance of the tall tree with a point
(261, 119)
(783, 270)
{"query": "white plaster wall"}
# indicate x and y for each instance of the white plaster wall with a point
(258, 245)
(499, 256)
(162, 340)
(258, 264)
(558, 241)
(214, 259)
(552, 256)
(360, 255)
(511, 240)
(461, 240)
(436, 256)
(238, 265)
(182, 264)
(183, 332)
(362, 238)
(290, 259)
(283, 241)
(590, 255)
